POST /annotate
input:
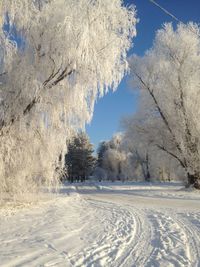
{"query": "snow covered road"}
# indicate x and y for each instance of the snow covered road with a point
(106, 225)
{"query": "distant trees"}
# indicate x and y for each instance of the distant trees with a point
(168, 77)
(111, 158)
(56, 58)
(130, 156)
(79, 160)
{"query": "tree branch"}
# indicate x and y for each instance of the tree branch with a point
(183, 163)
(159, 110)
(3, 73)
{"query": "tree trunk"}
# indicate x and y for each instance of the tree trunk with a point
(194, 179)
(147, 176)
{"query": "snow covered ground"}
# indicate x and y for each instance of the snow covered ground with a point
(105, 224)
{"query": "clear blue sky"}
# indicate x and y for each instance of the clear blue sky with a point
(112, 107)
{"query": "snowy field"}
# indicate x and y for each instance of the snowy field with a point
(105, 224)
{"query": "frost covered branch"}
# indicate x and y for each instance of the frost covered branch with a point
(61, 57)
(168, 76)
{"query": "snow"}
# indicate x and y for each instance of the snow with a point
(105, 224)
(49, 90)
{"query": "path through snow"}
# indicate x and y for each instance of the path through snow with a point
(106, 225)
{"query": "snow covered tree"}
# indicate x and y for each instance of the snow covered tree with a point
(79, 159)
(112, 158)
(141, 133)
(169, 74)
(56, 58)
(99, 174)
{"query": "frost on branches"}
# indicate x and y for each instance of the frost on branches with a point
(56, 58)
(112, 160)
(131, 156)
(169, 78)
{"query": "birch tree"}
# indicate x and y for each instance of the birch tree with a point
(56, 58)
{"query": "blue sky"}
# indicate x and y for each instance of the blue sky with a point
(112, 107)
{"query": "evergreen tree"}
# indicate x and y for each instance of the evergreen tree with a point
(103, 147)
(79, 160)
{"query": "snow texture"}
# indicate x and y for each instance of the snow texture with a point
(106, 224)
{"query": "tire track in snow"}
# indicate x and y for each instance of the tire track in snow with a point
(139, 249)
(160, 238)
(109, 231)
(119, 228)
(193, 236)
(174, 243)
